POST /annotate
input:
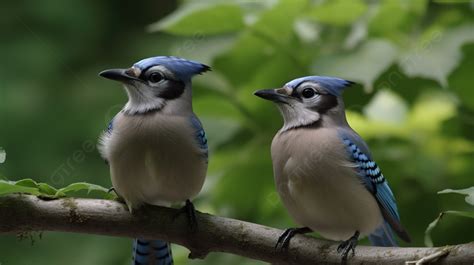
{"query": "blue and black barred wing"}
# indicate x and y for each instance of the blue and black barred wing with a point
(200, 136)
(110, 126)
(376, 183)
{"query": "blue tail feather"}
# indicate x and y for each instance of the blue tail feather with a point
(383, 236)
(151, 252)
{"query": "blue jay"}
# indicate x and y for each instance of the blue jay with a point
(155, 146)
(323, 170)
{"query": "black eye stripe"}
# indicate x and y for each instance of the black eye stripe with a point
(174, 89)
(326, 103)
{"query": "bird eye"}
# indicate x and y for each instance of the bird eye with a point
(156, 77)
(308, 93)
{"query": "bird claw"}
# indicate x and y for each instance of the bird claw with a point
(190, 212)
(118, 198)
(284, 240)
(347, 246)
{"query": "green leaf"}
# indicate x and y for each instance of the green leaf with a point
(458, 81)
(47, 189)
(27, 183)
(363, 65)
(338, 12)
(469, 192)
(393, 18)
(436, 57)
(432, 225)
(84, 186)
(203, 19)
(276, 25)
(8, 187)
(30, 186)
(386, 107)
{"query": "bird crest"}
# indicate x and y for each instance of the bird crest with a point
(183, 69)
(333, 85)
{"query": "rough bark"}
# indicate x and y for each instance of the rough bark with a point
(23, 213)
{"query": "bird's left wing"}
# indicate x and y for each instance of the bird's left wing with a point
(110, 126)
(200, 136)
(374, 181)
(103, 140)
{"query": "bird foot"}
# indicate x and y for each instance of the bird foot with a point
(284, 239)
(190, 212)
(118, 198)
(349, 245)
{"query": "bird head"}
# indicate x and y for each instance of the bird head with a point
(307, 100)
(156, 82)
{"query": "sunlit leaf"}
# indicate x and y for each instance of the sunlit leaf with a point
(276, 24)
(469, 192)
(431, 110)
(362, 65)
(204, 19)
(81, 186)
(27, 183)
(392, 18)
(432, 225)
(387, 107)
(438, 56)
(306, 30)
(338, 12)
(8, 187)
(357, 34)
(458, 81)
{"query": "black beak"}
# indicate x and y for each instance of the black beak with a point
(271, 94)
(122, 75)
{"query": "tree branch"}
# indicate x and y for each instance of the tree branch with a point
(23, 213)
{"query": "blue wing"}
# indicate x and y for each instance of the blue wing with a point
(106, 134)
(200, 136)
(110, 126)
(376, 183)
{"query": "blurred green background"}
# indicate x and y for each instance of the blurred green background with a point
(413, 61)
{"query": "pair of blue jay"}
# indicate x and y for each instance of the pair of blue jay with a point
(157, 152)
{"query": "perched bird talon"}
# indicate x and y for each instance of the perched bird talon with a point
(348, 246)
(284, 240)
(190, 212)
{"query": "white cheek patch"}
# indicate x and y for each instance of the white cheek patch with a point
(297, 115)
(141, 99)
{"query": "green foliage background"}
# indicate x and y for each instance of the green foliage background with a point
(414, 61)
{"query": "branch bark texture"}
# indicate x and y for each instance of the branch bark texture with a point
(23, 213)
